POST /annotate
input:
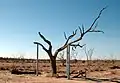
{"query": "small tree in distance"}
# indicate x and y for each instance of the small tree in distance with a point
(88, 54)
(71, 39)
(74, 55)
(61, 58)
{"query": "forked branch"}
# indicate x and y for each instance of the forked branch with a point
(94, 22)
(74, 46)
(70, 37)
(82, 33)
(47, 41)
(41, 46)
(90, 29)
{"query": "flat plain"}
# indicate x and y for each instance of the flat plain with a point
(99, 71)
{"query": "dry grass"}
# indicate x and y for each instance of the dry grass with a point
(105, 70)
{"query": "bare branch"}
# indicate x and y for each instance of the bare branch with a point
(96, 20)
(70, 37)
(47, 41)
(96, 31)
(66, 43)
(41, 46)
(95, 26)
(65, 36)
(77, 45)
(75, 31)
(74, 46)
(82, 28)
(82, 33)
(89, 29)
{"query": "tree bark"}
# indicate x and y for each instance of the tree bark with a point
(53, 65)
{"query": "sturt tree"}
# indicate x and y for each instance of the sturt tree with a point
(70, 40)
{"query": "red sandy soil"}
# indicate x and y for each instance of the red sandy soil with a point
(99, 70)
(6, 77)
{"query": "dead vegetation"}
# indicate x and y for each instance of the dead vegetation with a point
(78, 70)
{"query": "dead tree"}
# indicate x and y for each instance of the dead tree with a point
(74, 55)
(88, 54)
(69, 41)
(61, 58)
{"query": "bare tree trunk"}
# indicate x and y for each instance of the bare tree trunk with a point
(53, 65)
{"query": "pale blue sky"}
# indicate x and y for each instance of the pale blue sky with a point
(21, 20)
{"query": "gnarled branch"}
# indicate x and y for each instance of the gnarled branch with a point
(82, 33)
(70, 37)
(90, 29)
(41, 46)
(47, 41)
(74, 46)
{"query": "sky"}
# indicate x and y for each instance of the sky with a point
(21, 20)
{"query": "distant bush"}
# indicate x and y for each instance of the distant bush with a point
(83, 61)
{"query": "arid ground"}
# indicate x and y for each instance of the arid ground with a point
(99, 71)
